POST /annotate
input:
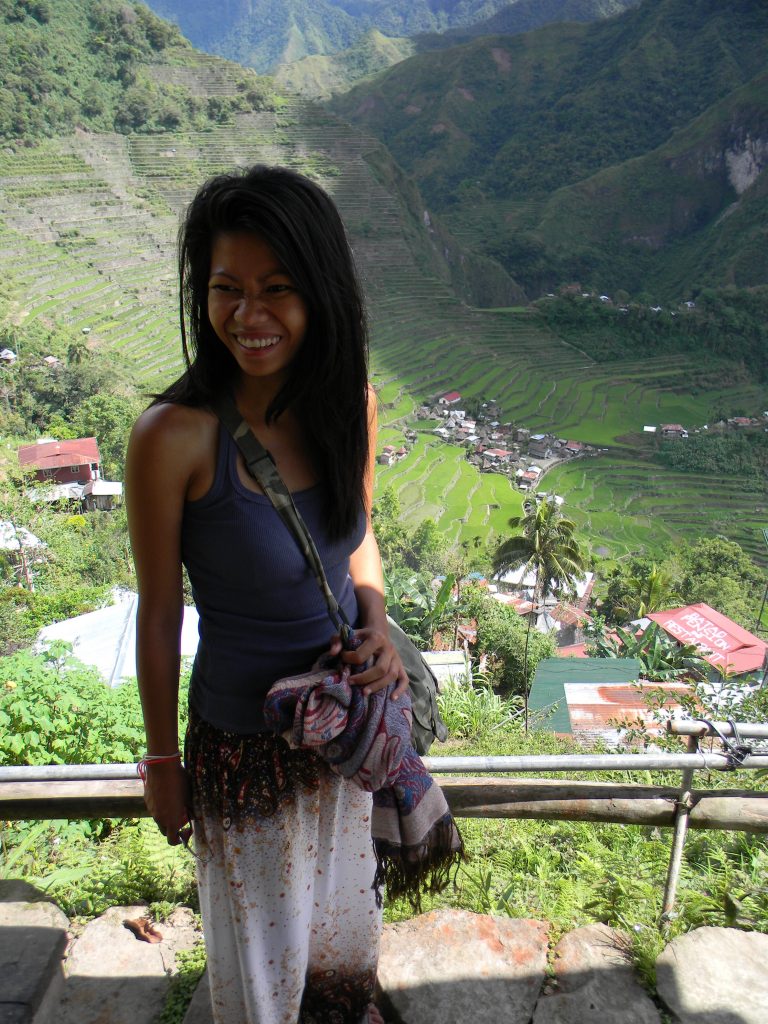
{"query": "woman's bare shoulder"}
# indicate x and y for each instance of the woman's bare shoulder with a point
(173, 439)
(171, 422)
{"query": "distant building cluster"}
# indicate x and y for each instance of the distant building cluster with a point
(495, 447)
(677, 432)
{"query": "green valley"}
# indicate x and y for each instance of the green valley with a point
(87, 228)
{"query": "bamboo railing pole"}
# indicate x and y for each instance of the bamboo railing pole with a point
(682, 819)
(438, 765)
(587, 763)
(543, 799)
(698, 727)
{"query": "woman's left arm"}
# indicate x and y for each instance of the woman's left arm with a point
(367, 577)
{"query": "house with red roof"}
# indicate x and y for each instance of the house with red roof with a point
(62, 462)
(450, 398)
(573, 447)
(673, 430)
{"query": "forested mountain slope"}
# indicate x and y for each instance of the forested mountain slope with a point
(690, 214)
(86, 64)
(321, 76)
(266, 33)
(493, 129)
(87, 227)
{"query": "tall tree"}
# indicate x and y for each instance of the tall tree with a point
(546, 546)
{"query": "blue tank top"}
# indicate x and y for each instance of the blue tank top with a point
(262, 615)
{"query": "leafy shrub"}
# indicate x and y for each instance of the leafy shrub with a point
(55, 710)
(472, 711)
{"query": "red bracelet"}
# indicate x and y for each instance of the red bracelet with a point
(148, 759)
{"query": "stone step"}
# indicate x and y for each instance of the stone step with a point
(444, 967)
(33, 941)
(114, 978)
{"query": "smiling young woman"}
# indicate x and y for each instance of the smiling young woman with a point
(254, 307)
(273, 318)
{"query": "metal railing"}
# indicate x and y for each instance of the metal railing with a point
(112, 790)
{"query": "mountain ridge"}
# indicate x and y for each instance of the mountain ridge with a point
(297, 30)
(495, 129)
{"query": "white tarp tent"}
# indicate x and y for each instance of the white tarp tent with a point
(106, 638)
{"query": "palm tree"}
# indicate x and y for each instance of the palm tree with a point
(546, 546)
(653, 591)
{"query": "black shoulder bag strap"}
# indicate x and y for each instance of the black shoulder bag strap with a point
(262, 467)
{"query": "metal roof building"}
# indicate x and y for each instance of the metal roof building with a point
(554, 676)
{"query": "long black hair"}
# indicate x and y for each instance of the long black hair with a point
(326, 384)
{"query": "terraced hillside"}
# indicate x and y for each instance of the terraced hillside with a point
(87, 231)
(636, 505)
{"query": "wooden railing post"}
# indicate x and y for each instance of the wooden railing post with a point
(682, 817)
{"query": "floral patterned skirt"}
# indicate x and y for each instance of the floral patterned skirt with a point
(285, 866)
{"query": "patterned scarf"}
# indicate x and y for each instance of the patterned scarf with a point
(368, 741)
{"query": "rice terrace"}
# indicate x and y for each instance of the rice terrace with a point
(87, 240)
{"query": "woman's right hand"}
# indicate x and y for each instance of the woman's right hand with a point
(168, 799)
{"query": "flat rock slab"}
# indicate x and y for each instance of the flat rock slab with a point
(594, 982)
(33, 938)
(451, 966)
(715, 975)
(113, 978)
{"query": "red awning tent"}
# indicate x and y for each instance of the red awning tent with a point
(724, 644)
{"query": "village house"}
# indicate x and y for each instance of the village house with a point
(573, 448)
(673, 430)
(62, 462)
(584, 699)
(500, 455)
(390, 454)
(539, 446)
(387, 456)
(73, 469)
(728, 647)
(450, 398)
(740, 422)
(101, 495)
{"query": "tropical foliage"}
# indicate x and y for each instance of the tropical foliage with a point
(55, 710)
(662, 658)
(726, 322)
(476, 711)
(714, 571)
(725, 454)
(506, 645)
(416, 606)
(644, 587)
